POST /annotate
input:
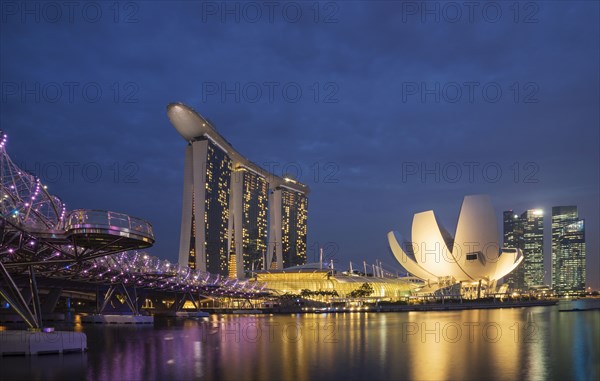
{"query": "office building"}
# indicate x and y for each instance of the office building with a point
(513, 238)
(526, 233)
(533, 247)
(568, 250)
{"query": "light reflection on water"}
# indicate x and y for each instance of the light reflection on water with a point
(525, 343)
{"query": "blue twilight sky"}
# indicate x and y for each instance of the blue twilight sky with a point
(383, 108)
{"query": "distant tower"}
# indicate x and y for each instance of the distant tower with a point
(229, 217)
(533, 246)
(526, 232)
(568, 250)
(513, 238)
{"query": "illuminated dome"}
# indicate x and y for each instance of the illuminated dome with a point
(473, 255)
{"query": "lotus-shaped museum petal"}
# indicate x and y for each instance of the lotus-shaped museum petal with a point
(474, 253)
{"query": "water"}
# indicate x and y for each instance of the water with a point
(525, 343)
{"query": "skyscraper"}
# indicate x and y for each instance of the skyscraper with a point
(250, 196)
(568, 250)
(226, 201)
(293, 238)
(533, 246)
(204, 240)
(513, 238)
(288, 211)
(526, 232)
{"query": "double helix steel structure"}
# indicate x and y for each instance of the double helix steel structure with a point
(40, 239)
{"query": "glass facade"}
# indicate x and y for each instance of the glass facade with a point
(513, 238)
(568, 250)
(254, 219)
(533, 247)
(216, 209)
(525, 232)
(293, 227)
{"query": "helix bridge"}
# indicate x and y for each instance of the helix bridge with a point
(43, 244)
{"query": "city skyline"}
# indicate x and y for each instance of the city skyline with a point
(300, 190)
(568, 248)
(370, 134)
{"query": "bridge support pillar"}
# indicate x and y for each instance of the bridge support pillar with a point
(131, 299)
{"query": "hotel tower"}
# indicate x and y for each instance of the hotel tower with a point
(236, 217)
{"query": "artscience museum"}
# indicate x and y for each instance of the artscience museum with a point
(470, 263)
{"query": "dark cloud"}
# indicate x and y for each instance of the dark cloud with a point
(351, 132)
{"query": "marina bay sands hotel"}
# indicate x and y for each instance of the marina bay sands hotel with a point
(237, 217)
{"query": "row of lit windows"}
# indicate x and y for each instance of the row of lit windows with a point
(218, 175)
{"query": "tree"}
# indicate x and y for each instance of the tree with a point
(363, 291)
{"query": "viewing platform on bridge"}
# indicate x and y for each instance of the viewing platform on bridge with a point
(98, 228)
(92, 229)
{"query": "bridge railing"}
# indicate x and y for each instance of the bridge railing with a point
(105, 219)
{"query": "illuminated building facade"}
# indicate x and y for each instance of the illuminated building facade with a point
(472, 259)
(568, 250)
(232, 259)
(227, 198)
(293, 236)
(533, 247)
(513, 238)
(288, 216)
(251, 194)
(526, 233)
(205, 238)
(308, 277)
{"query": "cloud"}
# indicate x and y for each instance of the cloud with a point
(354, 110)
